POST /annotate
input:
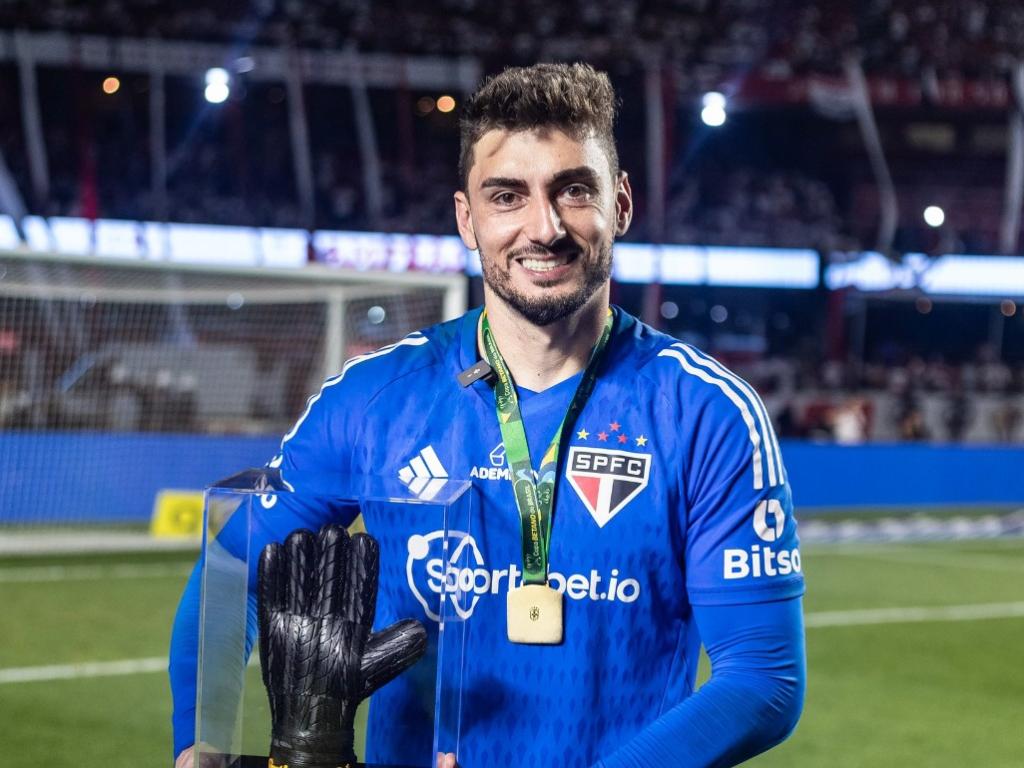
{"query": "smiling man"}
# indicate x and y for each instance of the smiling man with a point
(641, 509)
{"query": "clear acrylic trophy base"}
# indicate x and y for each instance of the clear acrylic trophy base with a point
(405, 723)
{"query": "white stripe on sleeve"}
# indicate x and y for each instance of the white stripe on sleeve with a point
(739, 402)
(770, 443)
(414, 340)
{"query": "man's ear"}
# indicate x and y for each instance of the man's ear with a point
(464, 220)
(623, 203)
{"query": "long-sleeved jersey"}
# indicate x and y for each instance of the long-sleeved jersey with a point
(672, 498)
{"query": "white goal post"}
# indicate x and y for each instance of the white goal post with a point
(107, 364)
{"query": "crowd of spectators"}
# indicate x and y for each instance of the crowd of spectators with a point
(784, 209)
(899, 37)
(216, 177)
(913, 399)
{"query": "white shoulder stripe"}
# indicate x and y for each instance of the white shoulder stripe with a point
(770, 441)
(413, 340)
(739, 402)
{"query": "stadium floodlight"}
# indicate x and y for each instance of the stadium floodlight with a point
(218, 85)
(713, 111)
(934, 216)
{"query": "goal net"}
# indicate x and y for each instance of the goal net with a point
(120, 379)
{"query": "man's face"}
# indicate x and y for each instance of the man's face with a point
(543, 209)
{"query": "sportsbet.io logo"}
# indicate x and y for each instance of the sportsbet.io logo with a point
(761, 559)
(462, 577)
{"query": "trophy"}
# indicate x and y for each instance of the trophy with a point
(330, 686)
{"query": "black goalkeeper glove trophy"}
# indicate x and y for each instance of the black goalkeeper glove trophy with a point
(317, 597)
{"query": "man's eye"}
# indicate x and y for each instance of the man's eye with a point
(504, 198)
(577, 192)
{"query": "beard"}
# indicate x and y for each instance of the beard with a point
(545, 310)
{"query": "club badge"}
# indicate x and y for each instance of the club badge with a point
(606, 479)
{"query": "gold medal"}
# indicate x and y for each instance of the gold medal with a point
(535, 615)
(535, 609)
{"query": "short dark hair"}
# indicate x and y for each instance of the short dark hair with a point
(575, 98)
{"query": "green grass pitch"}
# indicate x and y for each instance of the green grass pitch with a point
(943, 690)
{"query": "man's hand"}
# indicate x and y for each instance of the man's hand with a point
(446, 761)
(184, 759)
(206, 760)
(317, 598)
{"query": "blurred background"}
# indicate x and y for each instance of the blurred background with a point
(206, 208)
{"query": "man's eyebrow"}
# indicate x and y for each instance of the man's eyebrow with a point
(502, 181)
(580, 173)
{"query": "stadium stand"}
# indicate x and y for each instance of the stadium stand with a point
(138, 366)
(748, 47)
(783, 171)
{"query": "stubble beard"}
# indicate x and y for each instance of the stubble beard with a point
(545, 310)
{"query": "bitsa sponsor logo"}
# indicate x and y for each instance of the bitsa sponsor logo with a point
(761, 559)
(462, 577)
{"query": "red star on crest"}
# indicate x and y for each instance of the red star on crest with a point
(602, 436)
(614, 426)
(623, 439)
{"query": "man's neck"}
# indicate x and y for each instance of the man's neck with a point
(539, 357)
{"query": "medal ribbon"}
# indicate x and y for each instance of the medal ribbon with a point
(535, 494)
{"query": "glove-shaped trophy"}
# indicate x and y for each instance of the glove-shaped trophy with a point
(317, 598)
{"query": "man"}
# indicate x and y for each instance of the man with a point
(671, 522)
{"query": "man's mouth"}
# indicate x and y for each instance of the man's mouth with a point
(547, 264)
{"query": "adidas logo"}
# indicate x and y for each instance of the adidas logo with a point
(425, 474)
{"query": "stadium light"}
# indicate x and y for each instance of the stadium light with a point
(445, 104)
(713, 112)
(218, 85)
(425, 105)
(111, 85)
(934, 216)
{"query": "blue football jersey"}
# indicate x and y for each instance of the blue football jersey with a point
(672, 493)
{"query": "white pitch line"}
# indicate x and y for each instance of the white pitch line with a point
(912, 615)
(88, 669)
(812, 620)
(49, 573)
(949, 559)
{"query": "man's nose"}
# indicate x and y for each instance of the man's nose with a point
(544, 224)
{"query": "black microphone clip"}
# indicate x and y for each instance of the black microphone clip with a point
(478, 370)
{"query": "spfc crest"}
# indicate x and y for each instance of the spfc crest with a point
(606, 480)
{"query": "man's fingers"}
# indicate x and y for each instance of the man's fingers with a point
(361, 580)
(185, 758)
(333, 546)
(446, 761)
(300, 551)
(390, 652)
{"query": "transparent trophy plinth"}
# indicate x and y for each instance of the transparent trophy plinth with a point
(419, 526)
